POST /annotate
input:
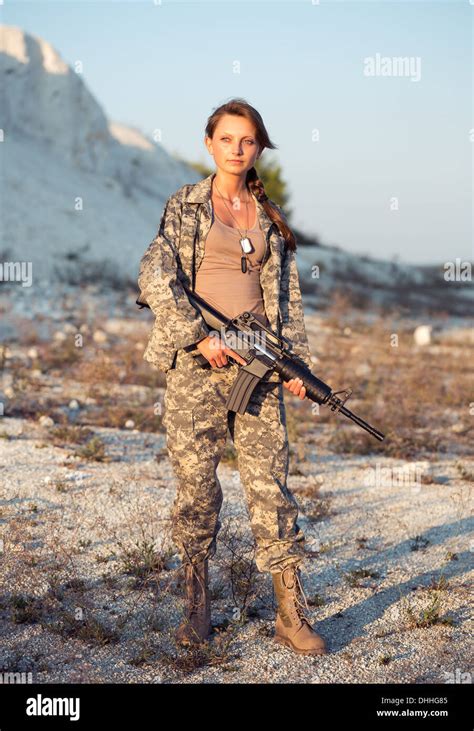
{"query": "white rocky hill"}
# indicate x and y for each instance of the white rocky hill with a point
(82, 196)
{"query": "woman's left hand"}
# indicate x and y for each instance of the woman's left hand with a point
(295, 385)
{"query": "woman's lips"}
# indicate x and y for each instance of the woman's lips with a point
(236, 162)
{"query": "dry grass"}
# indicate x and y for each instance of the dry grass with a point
(414, 395)
(111, 381)
(142, 560)
(428, 615)
(237, 570)
(217, 652)
(355, 576)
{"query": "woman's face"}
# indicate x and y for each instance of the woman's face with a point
(234, 139)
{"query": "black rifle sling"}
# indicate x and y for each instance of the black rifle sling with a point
(248, 376)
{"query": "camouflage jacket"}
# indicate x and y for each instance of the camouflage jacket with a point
(175, 255)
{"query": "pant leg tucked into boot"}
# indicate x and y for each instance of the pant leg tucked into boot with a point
(196, 625)
(292, 628)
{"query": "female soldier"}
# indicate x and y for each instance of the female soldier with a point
(227, 241)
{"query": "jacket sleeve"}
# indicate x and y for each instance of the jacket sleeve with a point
(292, 311)
(293, 325)
(180, 321)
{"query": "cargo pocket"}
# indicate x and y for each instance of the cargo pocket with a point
(204, 421)
(265, 415)
(178, 420)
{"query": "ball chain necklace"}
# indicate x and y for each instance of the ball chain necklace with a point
(245, 242)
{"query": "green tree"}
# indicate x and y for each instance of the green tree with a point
(270, 173)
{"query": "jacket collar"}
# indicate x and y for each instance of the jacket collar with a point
(201, 193)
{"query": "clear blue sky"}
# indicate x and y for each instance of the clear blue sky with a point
(302, 65)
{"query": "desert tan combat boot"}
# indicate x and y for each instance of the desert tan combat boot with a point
(196, 625)
(292, 628)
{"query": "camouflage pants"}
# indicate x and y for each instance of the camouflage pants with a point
(196, 421)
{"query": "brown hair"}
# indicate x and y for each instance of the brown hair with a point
(242, 108)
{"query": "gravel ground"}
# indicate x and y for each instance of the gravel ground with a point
(66, 522)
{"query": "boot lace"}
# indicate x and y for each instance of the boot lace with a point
(298, 594)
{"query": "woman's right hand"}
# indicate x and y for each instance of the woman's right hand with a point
(215, 351)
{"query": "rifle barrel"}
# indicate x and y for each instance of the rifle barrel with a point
(360, 422)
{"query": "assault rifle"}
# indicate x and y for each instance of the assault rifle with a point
(264, 351)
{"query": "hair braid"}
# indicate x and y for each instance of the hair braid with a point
(240, 107)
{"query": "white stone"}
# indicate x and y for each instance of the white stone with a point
(99, 336)
(46, 421)
(422, 335)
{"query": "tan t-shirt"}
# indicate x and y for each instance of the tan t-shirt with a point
(220, 280)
